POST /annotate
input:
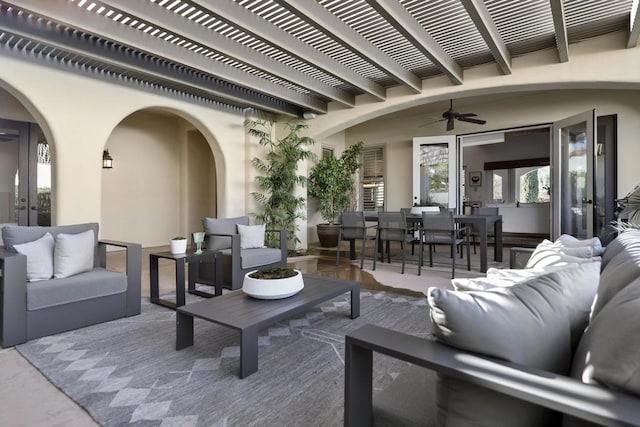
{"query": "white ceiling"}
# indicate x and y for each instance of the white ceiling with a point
(292, 56)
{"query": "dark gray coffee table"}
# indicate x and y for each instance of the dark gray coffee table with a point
(249, 315)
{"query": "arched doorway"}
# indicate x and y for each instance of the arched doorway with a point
(25, 166)
(163, 179)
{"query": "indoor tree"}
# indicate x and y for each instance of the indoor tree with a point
(331, 182)
(280, 207)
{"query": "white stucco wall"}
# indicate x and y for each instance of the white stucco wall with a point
(79, 115)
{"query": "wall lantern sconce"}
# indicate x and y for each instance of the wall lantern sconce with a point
(107, 160)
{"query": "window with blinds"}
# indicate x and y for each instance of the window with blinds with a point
(373, 179)
(327, 152)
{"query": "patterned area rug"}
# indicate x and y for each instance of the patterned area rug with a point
(127, 372)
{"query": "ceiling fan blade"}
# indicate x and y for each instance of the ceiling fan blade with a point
(450, 124)
(467, 115)
(476, 121)
(430, 123)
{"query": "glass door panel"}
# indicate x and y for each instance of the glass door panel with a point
(573, 171)
(19, 174)
(40, 201)
(434, 171)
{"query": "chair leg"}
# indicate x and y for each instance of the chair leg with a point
(453, 264)
(388, 251)
(474, 245)
(468, 257)
(431, 247)
(338, 251)
(404, 252)
(420, 255)
(375, 252)
(364, 242)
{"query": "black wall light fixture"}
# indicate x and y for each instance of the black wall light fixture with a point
(107, 160)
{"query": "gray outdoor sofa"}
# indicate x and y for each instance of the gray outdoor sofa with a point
(601, 385)
(33, 309)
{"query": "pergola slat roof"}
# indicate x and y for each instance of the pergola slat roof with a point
(292, 56)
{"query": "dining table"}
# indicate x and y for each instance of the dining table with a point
(482, 222)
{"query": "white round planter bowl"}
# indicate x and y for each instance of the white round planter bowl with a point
(272, 288)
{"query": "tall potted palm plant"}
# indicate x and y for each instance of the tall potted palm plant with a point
(280, 207)
(331, 182)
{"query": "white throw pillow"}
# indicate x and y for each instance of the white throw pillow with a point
(251, 236)
(39, 255)
(526, 323)
(502, 277)
(73, 254)
(569, 241)
(548, 253)
(484, 283)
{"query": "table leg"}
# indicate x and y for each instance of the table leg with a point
(248, 352)
(184, 331)
(498, 244)
(358, 388)
(153, 279)
(483, 246)
(180, 293)
(352, 249)
(355, 301)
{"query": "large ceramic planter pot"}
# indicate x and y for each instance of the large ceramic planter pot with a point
(328, 235)
(272, 288)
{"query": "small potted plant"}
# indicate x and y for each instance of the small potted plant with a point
(272, 283)
(178, 245)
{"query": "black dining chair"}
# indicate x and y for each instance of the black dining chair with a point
(392, 227)
(475, 232)
(353, 227)
(442, 229)
(407, 214)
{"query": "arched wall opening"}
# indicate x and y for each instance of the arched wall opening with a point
(26, 173)
(163, 180)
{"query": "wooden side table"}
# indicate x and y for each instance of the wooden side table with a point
(180, 261)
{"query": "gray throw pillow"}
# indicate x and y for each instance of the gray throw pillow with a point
(39, 255)
(620, 271)
(578, 282)
(251, 236)
(73, 254)
(629, 237)
(221, 226)
(527, 324)
(608, 353)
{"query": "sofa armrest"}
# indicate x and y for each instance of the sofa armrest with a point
(13, 286)
(519, 252)
(557, 392)
(133, 270)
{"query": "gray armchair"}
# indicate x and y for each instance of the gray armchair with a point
(232, 262)
(34, 309)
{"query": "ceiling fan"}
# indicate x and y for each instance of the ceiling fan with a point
(450, 115)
